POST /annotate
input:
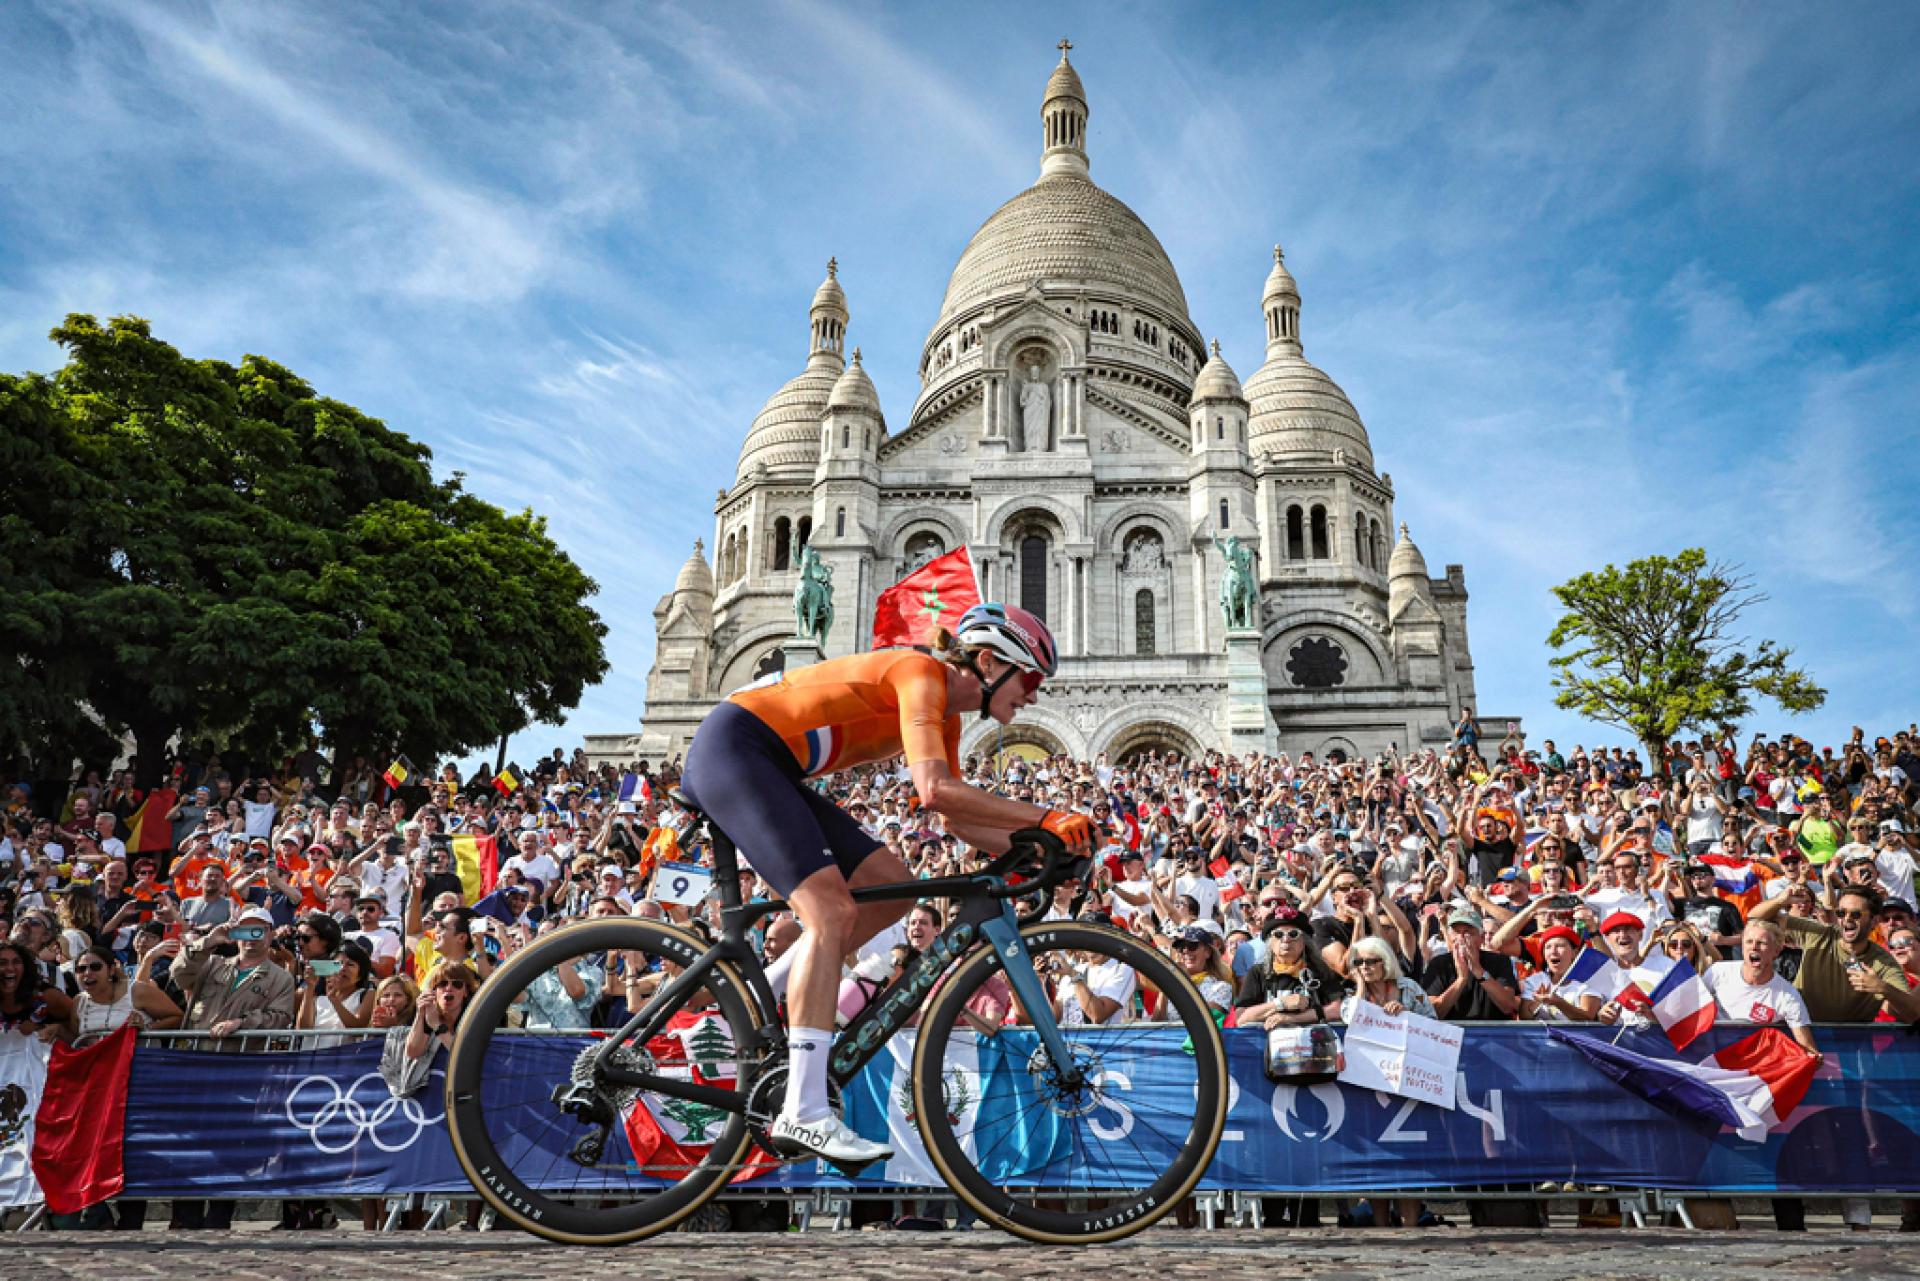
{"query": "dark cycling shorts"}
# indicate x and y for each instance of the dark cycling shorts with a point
(742, 775)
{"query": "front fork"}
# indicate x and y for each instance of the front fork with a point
(1003, 934)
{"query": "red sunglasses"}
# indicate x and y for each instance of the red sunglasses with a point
(1030, 681)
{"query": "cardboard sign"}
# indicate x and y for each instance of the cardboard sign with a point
(1405, 1054)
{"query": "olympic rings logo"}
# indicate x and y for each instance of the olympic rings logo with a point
(337, 1119)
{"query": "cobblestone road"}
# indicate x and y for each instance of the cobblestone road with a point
(1159, 1255)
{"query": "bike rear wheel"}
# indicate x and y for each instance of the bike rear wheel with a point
(523, 1149)
(1065, 1164)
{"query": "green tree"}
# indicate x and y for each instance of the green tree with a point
(189, 547)
(1653, 648)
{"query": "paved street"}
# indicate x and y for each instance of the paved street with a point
(871, 1256)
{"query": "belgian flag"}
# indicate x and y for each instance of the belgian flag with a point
(477, 860)
(399, 772)
(505, 783)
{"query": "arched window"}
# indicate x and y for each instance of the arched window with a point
(1220, 428)
(1224, 513)
(1362, 546)
(782, 543)
(1296, 535)
(804, 534)
(1033, 575)
(840, 522)
(1319, 530)
(1379, 547)
(1143, 622)
(846, 434)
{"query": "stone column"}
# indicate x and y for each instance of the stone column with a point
(1249, 726)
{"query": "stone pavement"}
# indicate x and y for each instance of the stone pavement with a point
(1159, 1255)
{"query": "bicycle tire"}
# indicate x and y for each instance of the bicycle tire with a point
(585, 1218)
(1119, 1216)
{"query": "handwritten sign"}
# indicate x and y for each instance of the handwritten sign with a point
(682, 884)
(1404, 1054)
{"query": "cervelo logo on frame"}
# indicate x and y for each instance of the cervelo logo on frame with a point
(336, 1119)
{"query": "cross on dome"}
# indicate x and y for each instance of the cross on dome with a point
(1063, 46)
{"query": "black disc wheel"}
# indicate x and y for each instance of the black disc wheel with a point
(547, 1141)
(1081, 1154)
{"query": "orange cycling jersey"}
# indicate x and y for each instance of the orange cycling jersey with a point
(859, 709)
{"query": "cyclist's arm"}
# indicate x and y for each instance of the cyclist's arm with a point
(979, 818)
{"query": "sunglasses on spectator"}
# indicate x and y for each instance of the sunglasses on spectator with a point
(95, 968)
(1368, 961)
(1287, 932)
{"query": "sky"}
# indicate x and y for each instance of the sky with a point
(1603, 281)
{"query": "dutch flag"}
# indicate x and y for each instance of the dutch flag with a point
(1682, 1001)
(1732, 875)
(1751, 1087)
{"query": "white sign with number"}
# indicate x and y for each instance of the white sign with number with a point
(683, 884)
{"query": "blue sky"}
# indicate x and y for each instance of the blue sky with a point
(1603, 280)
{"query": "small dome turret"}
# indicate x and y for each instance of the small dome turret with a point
(854, 390)
(696, 576)
(1406, 561)
(1216, 379)
(1063, 113)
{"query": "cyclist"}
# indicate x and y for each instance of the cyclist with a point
(748, 768)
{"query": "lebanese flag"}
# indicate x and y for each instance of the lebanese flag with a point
(79, 1133)
(670, 1136)
(1228, 881)
(1681, 1000)
(1751, 1087)
(934, 595)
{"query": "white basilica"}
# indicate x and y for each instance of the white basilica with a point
(1074, 432)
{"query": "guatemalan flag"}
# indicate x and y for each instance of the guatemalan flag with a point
(1750, 1087)
(1681, 1000)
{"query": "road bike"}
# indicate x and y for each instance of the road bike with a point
(1050, 1127)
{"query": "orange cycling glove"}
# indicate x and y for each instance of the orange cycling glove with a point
(1075, 829)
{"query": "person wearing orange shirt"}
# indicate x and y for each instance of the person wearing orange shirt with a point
(748, 767)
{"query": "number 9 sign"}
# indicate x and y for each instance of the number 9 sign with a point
(682, 884)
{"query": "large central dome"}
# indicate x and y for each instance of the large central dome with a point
(1063, 228)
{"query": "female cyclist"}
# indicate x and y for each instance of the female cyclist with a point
(748, 768)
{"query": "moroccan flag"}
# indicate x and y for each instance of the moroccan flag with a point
(148, 831)
(935, 595)
(669, 1135)
(79, 1134)
(505, 783)
(399, 772)
(477, 859)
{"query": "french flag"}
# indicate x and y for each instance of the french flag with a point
(1594, 970)
(1732, 875)
(1681, 1000)
(1751, 1087)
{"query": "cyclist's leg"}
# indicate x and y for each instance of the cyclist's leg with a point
(863, 861)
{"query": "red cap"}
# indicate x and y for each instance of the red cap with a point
(1566, 932)
(1619, 919)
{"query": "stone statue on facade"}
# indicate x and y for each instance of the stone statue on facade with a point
(1143, 555)
(813, 598)
(1036, 413)
(1239, 593)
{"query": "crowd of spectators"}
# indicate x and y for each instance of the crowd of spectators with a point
(1452, 881)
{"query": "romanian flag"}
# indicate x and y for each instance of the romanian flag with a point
(399, 772)
(505, 783)
(477, 860)
(148, 831)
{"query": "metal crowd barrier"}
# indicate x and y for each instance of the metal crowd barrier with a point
(833, 1207)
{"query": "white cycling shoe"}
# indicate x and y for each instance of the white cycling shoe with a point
(828, 1138)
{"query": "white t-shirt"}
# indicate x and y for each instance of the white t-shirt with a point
(383, 944)
(259, 817)
(541, 867)
(1203, 889)
(1651, 911)
(1113, 979)
(388, 882)
(1896, 873)
(1775, 1001)
(1537, 984)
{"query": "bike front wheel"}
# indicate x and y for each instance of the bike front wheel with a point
(1082, 1156)
(547, 1140)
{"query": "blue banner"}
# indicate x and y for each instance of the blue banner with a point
(324, 1123)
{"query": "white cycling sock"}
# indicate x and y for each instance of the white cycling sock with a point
(782, 966)
(807, 1049)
